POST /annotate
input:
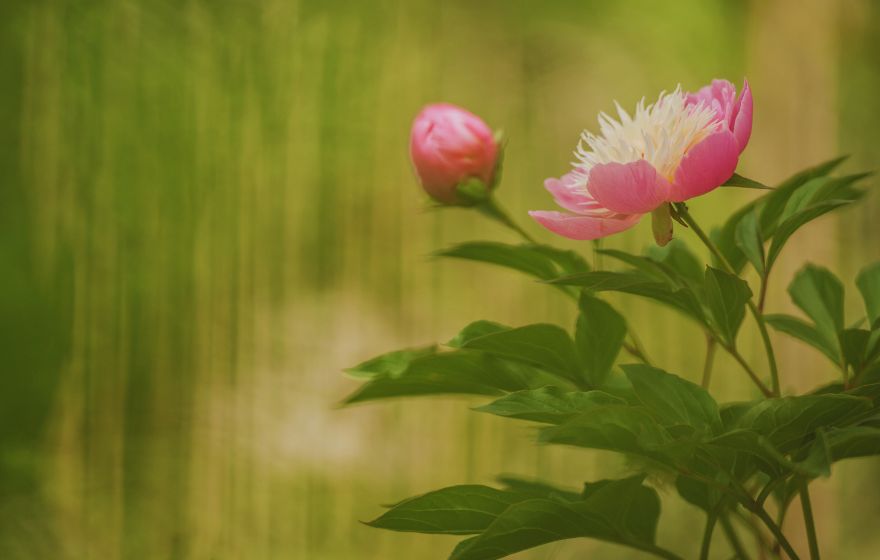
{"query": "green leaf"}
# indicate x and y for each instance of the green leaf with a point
(458, 372)
(550, 405)
(623, 512)
(759, 449)
(476, 330)
(391, 364)
(457, 510)
(625, 429)
(726, 297)
(737, 180)
(804, 332)
(599, 337)
(725, 237)
(787, 421)
(787, 228)
(682, 299)
(819, 294)
(750, 241)
(540, 261)
(542, 345)
(868, 282)
(673, 400)
(819, 458)
(649, 267)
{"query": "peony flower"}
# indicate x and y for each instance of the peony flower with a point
(682, 146)
(449, 145)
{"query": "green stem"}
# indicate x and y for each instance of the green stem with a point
(809, 522)
(748, 369)
(710, 360)
(733, 538)
(777, 532)
(492, 209)
(711, 518)
(683, 213)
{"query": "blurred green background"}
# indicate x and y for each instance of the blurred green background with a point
(207, 211)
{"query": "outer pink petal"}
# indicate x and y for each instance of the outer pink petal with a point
(568, 197)
(583, 227)
(705, 166)
(742, 119)
(628, 188)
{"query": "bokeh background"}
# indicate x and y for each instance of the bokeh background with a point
(206, 212)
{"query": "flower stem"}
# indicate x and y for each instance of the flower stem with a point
(733, 538)
(710, 360)
(808, 521)
(682, 210)
(492, 209)
(711, 518)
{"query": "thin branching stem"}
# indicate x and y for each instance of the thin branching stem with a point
(682, 210)
(808, 521)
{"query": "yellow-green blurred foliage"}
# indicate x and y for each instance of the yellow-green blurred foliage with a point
(206, 212)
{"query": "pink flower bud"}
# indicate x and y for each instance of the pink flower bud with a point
(449, 145)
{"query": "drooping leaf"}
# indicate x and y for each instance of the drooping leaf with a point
(868, 282)
(819, 458)
(773, 205)
(457, 510)
(787, 228)
(550, 405)
(598, 337)
(542, 345)
(677, 257)
(636, 283)
(726, 298)
(672, 400)
(819, 294)
(392, 363)
(756, 448)
(750, 240)
(541, 261)
(805, 332)
(458, 372)
(626, 429)
(649, 267)
(623, 512)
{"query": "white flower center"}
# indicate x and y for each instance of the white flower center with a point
(660, 133)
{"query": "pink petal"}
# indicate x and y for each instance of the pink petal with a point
(705, 166)
(742, 117)
(570, 192)
(628, 188)
(583, 227)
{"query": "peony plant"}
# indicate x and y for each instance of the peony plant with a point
(742, 463)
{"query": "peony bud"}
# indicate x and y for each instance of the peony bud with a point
(450, 146)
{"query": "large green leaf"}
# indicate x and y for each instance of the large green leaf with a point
(774, 203)
(672, 400)
(805, 332)
(626, 429)
(726, 298)
(550, 405)
(787, 422)
(868, 282)
(854, 345)
(599, 337)
(787, 228)
(458, 372)
(538, 489)
(542, 345)
(637, 283)
(476, 330)
(819, 294)
(652, 268)
(623, 512)
(677, 257)
(457, 510)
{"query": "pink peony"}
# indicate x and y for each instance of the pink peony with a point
(682, 146)
(449, 145)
